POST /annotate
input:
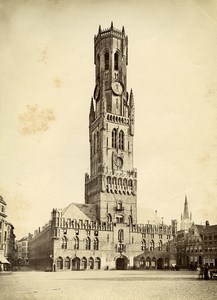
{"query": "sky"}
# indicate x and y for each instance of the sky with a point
(47, 80)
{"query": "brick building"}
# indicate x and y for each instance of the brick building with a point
(105, 232)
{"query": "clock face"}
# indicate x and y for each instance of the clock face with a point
(117, 87)
(96, 92)
(119, 162)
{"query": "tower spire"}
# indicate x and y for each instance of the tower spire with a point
(186, 213)
(131, 98)
(123, 30)
(112, 25)
(92, 112)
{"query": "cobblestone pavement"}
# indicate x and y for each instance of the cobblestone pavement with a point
(103, 285)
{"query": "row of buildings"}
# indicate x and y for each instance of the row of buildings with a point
(196, 244)
(12, 253)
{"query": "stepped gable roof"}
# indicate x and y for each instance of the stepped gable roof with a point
(145, 216)
(2, 200)
(87, 209)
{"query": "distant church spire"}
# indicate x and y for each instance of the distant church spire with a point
(186, 213)
(186, 222)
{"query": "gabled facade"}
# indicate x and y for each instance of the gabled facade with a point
(197, 247)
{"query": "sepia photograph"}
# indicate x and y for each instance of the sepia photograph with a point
(108, 149)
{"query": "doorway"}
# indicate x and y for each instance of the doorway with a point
(121, 263)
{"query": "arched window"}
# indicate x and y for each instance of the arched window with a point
(87, 243)
(106, 61)
(76, 243)
(120, 182)
(108, 180)
(130, 219)
(114, 180)
(116, 61)
(151, 245)
(96, 244)
(64, 243)
(114, 138)
(160, 246)
(125, 183)
(121, 140)
(143, 245)
(109, 218)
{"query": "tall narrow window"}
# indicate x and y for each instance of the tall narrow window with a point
(87, 243)
(116, 61)
(121, 140)
(143, 245)
(120, 235)
(98, 141)
(160, 246)
(151, 245)
(76, 243)
(114, 138)
(109, 218)
(94, 143)
(106, 61)
(96, 244)
(98, 65)
(64, 243)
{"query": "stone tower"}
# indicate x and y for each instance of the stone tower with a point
(112, 183)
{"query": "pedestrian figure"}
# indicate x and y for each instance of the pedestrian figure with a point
(200, 272)
(206, 272)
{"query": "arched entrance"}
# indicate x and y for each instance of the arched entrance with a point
(97, 263)
(160, 263)
(142, 263)
(59, 263)
(76, 263)
(91, 263)
(121, 263)
(84, 263)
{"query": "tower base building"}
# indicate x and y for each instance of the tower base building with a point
(104, 232)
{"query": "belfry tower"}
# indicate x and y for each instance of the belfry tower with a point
(112, 183)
